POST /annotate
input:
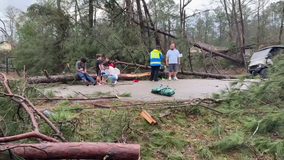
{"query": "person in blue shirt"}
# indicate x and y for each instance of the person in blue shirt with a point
(173, 61)
(156, 57)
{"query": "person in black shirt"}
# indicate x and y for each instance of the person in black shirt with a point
(99, 62)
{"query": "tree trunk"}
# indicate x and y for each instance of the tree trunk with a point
(209, 75)
(141, 21)
(228, 19)
(243, 52)
(91, 12)
(240, 40)
(181, 2)
(258, 24)
(202, 74)
(74, 77)
(199, 45)
(152, 23)
(128, 8)
(75, 150)
(281, 27)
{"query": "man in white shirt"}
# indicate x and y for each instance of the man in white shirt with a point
(110, 73)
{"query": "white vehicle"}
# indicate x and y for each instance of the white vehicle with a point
(262, 59)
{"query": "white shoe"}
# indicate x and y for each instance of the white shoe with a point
(114, 82)
(170, 79)
(175, 78)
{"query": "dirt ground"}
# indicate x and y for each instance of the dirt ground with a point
(185, 89)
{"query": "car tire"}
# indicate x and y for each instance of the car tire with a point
(263, 73)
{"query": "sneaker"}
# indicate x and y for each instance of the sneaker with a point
(114, 82)
(86, 82)
(170, 79)
(175, 78)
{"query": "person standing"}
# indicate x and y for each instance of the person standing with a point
(81, 68)
(99, 68)
(173, 60)
(156, 57)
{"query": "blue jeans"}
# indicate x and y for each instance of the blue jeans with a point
(113, 78)
(86, 76)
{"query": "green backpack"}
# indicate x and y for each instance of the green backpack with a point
(166, 91)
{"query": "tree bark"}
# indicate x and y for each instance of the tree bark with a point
(75, 150)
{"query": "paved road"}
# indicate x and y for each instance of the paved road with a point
(185, 89)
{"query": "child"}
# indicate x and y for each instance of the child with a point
(110, 73)
(106, 60)
(111, 63)
(99, 68)
(81, 68)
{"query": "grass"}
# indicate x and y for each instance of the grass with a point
(185, 134)
(99, 93)
(50, 94)
(254, 118)
(126, 94)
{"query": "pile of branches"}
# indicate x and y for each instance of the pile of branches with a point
(56, 146)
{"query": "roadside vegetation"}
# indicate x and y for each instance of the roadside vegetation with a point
(250, 127)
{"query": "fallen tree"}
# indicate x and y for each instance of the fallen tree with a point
(209, 75)
(75, 150)
(50, 147)
(207, 48)
(75, 77)
(76, 98)
(201, 74)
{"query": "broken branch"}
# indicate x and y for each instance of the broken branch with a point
(75, 98)
(32, 134)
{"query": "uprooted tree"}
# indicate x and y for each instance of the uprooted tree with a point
(54, 145)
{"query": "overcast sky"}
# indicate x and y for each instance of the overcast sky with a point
(23, 4)
(20, 4)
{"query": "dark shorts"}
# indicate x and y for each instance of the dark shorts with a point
(173, 67)
(99, 73)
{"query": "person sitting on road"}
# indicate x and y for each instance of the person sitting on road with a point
(81, 68)
(110, 73)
